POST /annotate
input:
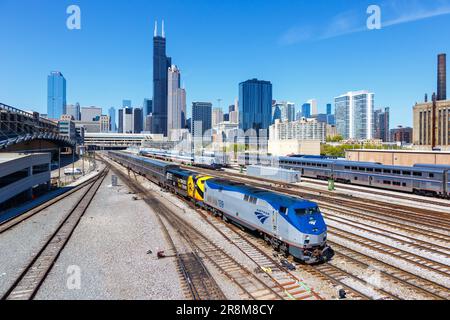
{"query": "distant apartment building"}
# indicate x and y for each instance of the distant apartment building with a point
(105, 123)
(402, 135)
(302, 129)
(381, 124)
(255, 105)
(56, 95)
(67, 128)
(354, 115)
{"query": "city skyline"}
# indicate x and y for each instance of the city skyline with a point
(398, 76)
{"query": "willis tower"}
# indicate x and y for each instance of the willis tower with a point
(161, 64)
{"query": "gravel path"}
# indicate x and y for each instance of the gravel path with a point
(20, 244)
(110, 247)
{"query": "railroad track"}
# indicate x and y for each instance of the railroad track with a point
(293, 287)
(373, 245)
(405, 240)
(197, 281)
(341, 277)
(386, 221)
(252, 286)
(30, 280)
(13, 221)
(389, 272)
(345, 187)
(419, 215)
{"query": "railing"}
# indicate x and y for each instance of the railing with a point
(26, 114)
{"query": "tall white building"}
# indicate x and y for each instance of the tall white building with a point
(314, 108)
(128, 120)
(355, 115)
(176, 102)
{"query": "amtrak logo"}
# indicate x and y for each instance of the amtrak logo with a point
(262, 216)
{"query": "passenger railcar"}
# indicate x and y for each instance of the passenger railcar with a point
(424, 179)
(205, 161)
(154, 170)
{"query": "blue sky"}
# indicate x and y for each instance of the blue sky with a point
(307, 49)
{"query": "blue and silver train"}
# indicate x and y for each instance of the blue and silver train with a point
(423, 179)
(207, 160)
(291, 225)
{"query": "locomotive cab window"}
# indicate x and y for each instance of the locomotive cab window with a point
(283, 210)
(308, 211)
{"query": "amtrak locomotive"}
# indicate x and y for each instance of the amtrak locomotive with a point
(291, 225)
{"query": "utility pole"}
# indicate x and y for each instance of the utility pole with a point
(73, 162)
(59, 167)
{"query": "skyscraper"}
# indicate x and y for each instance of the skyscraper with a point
(128, 119)
(255, 105)
(138, 120)
(56, 95)
(201, 118)
(120, 128)
(442, 77)
(276, 113)
(354, 115)
(306, 110)
(147, 107)
(314, 107)
(217, 116)
(176, 104)
(112, 119)
(381, 125)
(331, 119)
(161, 64)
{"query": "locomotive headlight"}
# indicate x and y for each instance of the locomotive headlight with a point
(307, 239)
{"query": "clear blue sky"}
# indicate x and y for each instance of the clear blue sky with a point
(307, 49)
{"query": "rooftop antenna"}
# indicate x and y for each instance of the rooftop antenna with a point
(163, 33)
(156, 29)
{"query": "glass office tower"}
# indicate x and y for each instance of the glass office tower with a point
(56, 95)
(255, 105)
